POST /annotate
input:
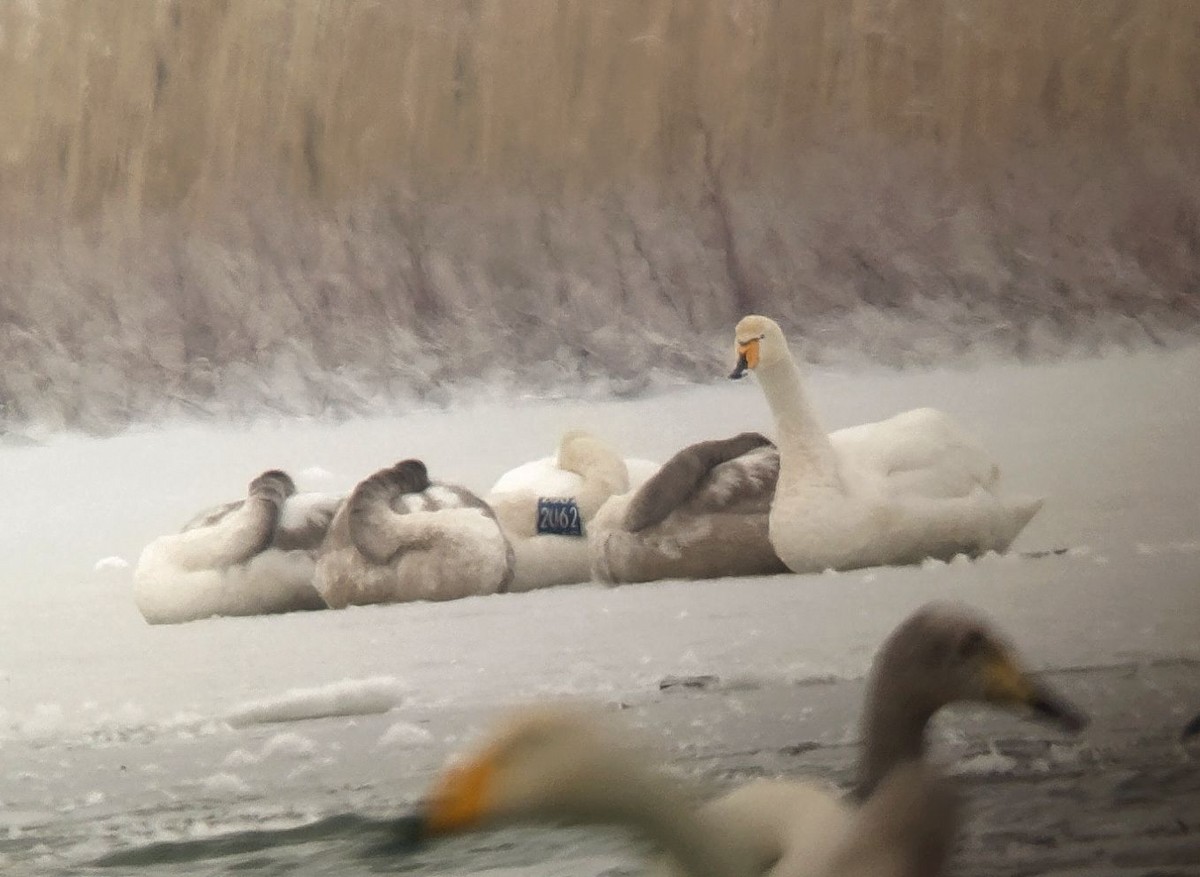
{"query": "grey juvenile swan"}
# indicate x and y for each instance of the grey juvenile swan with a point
(702, 515)
(400, 537)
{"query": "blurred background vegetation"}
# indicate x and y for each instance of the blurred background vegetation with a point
(220, 208)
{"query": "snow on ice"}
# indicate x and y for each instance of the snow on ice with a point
(116, 734)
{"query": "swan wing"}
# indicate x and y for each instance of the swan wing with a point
(922, 452)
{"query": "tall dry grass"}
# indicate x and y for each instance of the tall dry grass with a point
(321, 205)
(153, 103)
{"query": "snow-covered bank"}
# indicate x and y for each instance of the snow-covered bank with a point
(113, 732)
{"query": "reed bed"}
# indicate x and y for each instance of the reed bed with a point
(328, 206)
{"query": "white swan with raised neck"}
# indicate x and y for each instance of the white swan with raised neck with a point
(832, 512)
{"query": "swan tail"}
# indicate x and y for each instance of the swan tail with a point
(1019, 513)
(271, 582)
(376, 529)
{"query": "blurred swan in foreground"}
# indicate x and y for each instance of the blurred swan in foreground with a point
(546, 507)
(1192, 728)
(253, 556)
(401, 537)
(555, 764)
(702, 515)
(921, 487)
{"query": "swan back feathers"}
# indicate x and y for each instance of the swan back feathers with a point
(404, 488)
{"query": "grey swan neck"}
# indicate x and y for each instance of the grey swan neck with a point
(894, 725)
(802, 437)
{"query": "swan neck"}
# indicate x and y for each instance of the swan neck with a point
(797, 422)
(893, 733)
(671, 818)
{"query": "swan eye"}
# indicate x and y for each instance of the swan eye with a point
(972, 644)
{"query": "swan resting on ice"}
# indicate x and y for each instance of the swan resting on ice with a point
(702, 515)
(546, 507)
(917, 488)
(400, 537)
(253, 556)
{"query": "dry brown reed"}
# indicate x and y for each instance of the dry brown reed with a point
(314, 205)
(151, 103)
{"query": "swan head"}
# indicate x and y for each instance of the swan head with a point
(1192, 728)
(548, 764)
(945, 653)
(578, 446)
(758, 341)
(409, 476)
(273, 482)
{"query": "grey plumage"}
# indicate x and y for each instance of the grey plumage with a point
(374, 501)
(704, 514)
(681, 479)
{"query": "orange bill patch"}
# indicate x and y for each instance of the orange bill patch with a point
(459, 800)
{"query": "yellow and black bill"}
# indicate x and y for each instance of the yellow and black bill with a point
(747, 354)
(1007, 684)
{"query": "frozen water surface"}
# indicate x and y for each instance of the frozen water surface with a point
(283, 744)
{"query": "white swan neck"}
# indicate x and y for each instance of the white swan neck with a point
(670, 817)
(800, 430)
